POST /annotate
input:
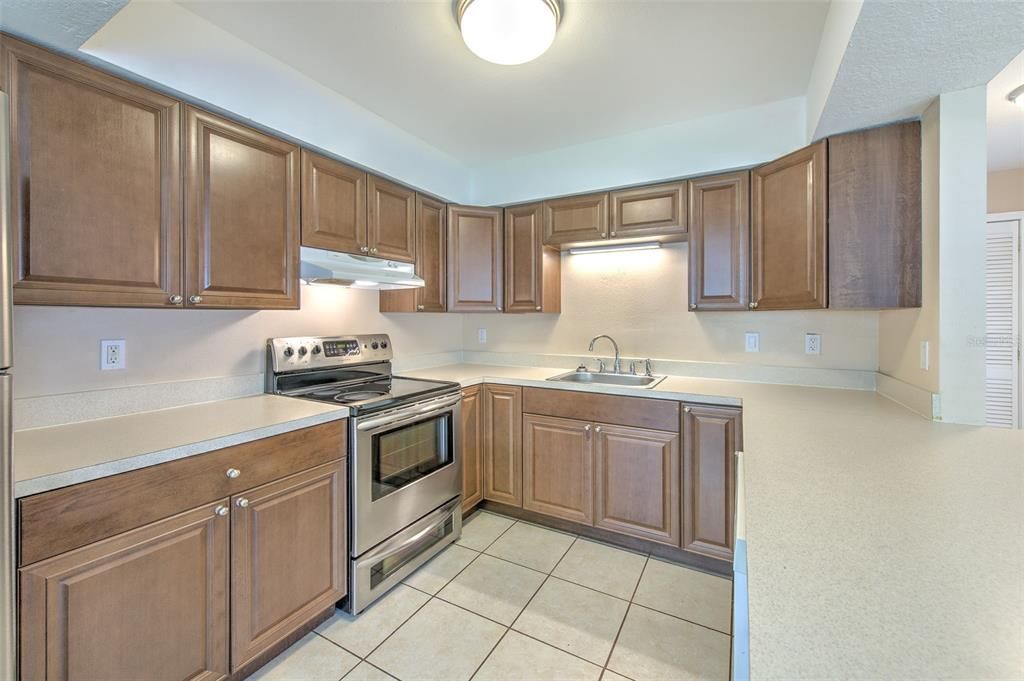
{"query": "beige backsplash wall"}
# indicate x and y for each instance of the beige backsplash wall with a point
(640, 298)
(1006, 190)
(56, 349)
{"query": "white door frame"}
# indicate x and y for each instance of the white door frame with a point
(1018, 217)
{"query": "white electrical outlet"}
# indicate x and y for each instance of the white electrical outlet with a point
(111, 354)
(812, 344)
(481, 336)
(924, 355)
(753, 341)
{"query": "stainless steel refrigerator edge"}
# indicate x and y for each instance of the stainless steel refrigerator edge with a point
(8, 637)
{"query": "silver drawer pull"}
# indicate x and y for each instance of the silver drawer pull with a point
(242, 502)
(233, 473)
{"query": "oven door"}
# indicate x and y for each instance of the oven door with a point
(407, 463)
(373, 574)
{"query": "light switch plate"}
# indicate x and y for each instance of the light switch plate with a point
(753, 341)
(481, 336)
(112, 354)
(812, 344)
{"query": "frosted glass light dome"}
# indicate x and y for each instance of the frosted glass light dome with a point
(508, 32)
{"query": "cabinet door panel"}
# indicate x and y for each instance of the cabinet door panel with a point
(474, 259)
(288, 552)
(333, 204)
(242, 216)
(147, 604)
(711, 437)
(558, 468)
(658, 210)
(789, 249)
(576, 219)
(533, 279)
(719, 267)
(95, 184)
(472, 473)
(502, 438)
(638, 483)
(431, 243)
(392, 220)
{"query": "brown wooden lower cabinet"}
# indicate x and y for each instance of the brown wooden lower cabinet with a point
(288, 557)
(502, 411)
(558, 464)
(150, 604)
(156, 600)
(472, 431)
(637, 488)
(711, 437)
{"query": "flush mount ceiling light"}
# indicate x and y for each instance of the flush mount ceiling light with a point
(508, 32)
(610, 248)
(1017, 96)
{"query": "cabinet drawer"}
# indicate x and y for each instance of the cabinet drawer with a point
(640, 412)
(64, 519)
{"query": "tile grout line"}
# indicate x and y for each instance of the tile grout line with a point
(636, 587)
(682, 619)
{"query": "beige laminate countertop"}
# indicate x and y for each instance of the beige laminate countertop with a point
(57, 456)
(880, 545)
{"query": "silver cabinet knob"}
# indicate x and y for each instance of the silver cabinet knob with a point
(687, 409)
(753, 305)
(498, 307)
(597, 430)
(419, 307)
(242, 502)
(537, 308)
(613, 233)
(586, 428)
(233, 473)
(175, 299)
(364, 249)
(373, 250)
(195, 300)
(693, 306)
(221, 510)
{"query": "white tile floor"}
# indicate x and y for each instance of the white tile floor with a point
(517, 602)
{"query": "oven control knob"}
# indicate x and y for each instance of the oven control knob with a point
(384, 344)
(316, 349)
(374, 345)
(288, 352)
(302, 351)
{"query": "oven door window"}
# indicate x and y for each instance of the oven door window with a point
(406, 454)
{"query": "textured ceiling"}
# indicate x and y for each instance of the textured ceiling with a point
(64, 24)
(615, 67)
(1005, 119)
(903, 54)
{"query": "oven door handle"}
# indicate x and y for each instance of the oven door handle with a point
(406, 415)
(442, 515)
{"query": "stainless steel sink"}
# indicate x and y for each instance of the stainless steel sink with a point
(627, 380)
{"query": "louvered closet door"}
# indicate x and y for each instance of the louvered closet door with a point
(1002, 324)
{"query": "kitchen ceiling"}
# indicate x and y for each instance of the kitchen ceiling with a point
(1006, 120)
(615, 67)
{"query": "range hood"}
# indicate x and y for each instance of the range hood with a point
(319, 266)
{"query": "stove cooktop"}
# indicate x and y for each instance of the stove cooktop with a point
(379, 394)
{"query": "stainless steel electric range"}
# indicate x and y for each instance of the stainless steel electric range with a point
(404, 460)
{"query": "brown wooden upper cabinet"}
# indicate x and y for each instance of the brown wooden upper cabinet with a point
(789, 237)
(474, 259)
(431, 255)
(576, 219)
(719, 253)
(95, 184)
(391, 220)
(532, 270)
(711, 438)
(652, 211)
(242, 193)
(874, 209)
(333, 205)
